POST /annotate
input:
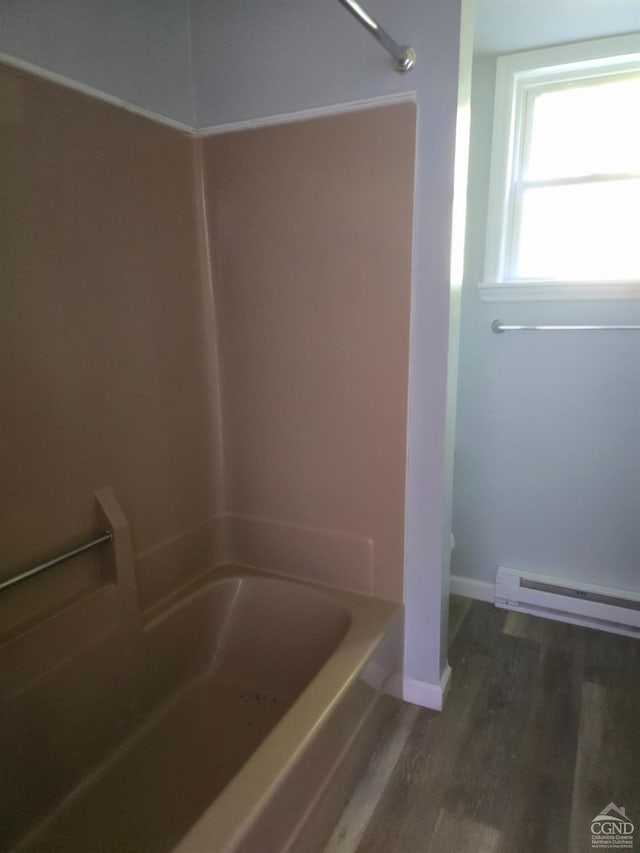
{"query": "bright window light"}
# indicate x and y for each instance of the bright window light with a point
(581, 232)
(586, 130)
(565, 178)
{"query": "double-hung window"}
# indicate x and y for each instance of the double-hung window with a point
(564, 199)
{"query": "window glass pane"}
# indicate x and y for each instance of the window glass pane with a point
(588, 232)
(586, 129)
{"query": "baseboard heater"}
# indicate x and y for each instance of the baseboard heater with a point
(609, 609)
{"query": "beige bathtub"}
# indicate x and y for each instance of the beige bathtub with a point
(242, 715)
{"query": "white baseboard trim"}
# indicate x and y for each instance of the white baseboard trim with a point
(481, 590)
(426, 693)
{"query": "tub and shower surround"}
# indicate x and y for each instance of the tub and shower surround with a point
(219, 329)
(206, 724)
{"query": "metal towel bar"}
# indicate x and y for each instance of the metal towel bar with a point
(499, 326)
(405, 56)
(54, 561)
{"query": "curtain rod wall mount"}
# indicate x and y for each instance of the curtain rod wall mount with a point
(408, 59)
(404, 56)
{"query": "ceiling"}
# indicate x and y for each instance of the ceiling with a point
(507, 26)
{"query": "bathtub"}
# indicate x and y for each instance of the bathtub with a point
(237, 718)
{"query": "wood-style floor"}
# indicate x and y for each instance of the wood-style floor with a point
(541, 731)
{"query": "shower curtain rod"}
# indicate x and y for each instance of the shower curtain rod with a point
(405, 56)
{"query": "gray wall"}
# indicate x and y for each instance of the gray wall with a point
(254, 60)
(137, 51)
(547, 473)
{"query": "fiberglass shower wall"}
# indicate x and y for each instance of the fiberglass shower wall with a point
(310, 225)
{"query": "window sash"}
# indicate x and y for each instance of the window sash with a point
(512, 253)
(529, 92)
(521, 78)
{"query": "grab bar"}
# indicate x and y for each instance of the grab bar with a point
(405, 56)
(54, 561)
(499, 326)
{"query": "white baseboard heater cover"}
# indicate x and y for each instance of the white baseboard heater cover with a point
(593, 606)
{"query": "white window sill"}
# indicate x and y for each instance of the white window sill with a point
(538, 291)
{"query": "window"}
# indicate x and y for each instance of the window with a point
(564, 198)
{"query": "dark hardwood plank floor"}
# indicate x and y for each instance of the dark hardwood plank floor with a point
(541, 731)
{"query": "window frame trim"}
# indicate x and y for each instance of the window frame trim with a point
(516, 75)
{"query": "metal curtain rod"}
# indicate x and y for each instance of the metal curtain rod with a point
(54, 561)
(405, 56)
(499, 326)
